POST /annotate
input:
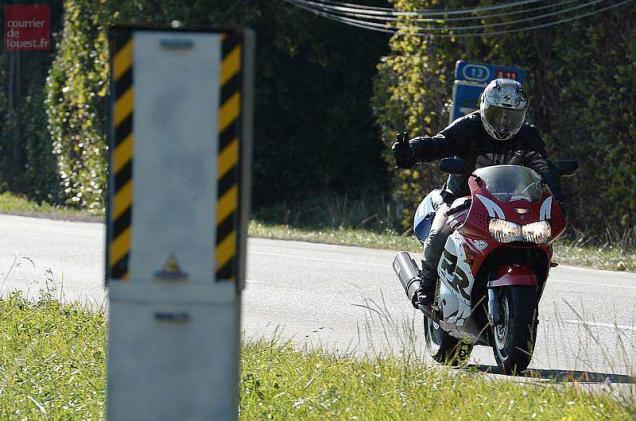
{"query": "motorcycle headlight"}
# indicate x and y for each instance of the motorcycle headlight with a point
(537, 232)
(507, 232)
(504, 231)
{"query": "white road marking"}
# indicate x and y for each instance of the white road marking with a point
(609, 325)
(317, 259)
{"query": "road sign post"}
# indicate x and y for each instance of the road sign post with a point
(470, 81)
(181, 103)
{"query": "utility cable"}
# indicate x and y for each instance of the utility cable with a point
(393, 29)
(429, 12)
(469, 18)
(395, 18)
(497, 24)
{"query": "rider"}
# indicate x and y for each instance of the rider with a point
(497, 134)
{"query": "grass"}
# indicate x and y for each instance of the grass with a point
(51, 360)
(52, 365)
(278, 382)
(13, 204)
(572, 252)
(364, 223)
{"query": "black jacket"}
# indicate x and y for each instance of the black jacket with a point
(467, 139)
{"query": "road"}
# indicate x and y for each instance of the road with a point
(344, 299)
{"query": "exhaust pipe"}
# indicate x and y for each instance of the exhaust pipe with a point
(407, 271)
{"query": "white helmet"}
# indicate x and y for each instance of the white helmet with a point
(502, 107)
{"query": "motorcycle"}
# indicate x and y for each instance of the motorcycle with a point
(495, 264)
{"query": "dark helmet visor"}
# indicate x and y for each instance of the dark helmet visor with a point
(504, 120)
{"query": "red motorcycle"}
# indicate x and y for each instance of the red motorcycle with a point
(495, 264)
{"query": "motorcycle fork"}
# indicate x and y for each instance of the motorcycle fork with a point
(494, 315)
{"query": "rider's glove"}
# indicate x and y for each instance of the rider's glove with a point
(402, 152)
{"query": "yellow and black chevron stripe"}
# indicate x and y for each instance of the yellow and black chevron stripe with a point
(121, 158)
(228, 204)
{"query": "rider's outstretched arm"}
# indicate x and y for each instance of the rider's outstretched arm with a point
(446, 143)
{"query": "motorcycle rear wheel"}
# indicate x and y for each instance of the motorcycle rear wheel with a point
(513, 340)
(444, 348)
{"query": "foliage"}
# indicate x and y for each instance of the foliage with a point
(314, 130)
(41, 179)
(411, 95)
(581, 80)
(77, 88)
(313, 124)
(595, 114)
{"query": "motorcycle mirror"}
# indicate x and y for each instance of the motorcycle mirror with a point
(566, 167)
(454, 166)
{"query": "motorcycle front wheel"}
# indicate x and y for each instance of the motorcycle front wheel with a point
(513, 340)
(442, 347)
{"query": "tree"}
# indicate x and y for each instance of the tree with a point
(581, 79)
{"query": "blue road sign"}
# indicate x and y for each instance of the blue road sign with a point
(470, 81)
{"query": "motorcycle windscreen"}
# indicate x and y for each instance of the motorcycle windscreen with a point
(512, 182)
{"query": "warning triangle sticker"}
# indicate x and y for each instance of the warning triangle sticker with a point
(171, 269)
(171, 265)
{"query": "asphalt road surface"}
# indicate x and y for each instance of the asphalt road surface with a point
(344, 299)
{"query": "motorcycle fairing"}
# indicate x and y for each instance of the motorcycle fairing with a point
(425, 214)
(521, 212)
(545, 213)
(493, 209)
(514, 274)
(456, 281)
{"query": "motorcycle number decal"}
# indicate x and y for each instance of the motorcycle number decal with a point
(457, 278)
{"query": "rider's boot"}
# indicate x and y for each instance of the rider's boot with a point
(433, 248)
(424, 295)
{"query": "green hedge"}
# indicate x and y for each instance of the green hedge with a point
(77, 88)
(313, 122)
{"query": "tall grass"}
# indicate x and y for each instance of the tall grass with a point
(52, 366)
(280, 383)
(52, 360)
